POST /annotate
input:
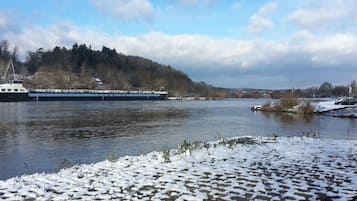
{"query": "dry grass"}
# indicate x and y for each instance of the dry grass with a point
(306, 108)
(288, 101)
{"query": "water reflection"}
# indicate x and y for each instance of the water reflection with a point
(289, 118)
(352, 128)
(47, 136)
(103, 124)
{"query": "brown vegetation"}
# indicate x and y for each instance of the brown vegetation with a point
(305, 108)
(288, 101)
(291, 104)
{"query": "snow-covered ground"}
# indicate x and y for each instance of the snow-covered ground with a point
(270, 169)
(325, 106)
(331, 109)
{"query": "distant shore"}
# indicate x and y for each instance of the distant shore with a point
(264, 168)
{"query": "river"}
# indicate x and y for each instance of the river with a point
(48, 136)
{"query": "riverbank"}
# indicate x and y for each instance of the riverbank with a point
(230, 169)
(329, 108)
(306, 107)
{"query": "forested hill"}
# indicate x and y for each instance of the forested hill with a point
(79, 66)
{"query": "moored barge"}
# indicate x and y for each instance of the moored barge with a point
(14, 90)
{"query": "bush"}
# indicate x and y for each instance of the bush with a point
(288, 102)
(113, 157)
(306, 108)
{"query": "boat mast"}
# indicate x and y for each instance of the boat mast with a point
(9, 65)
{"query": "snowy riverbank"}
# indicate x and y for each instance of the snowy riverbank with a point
(325, 107)
(329, 108)
(252, 168)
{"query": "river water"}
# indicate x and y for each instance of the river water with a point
(48, 136)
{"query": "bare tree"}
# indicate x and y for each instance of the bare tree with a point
(354, 87)
(4, 49)
(326, 89)
(14, 53)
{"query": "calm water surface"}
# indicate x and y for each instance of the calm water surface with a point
(47, 136)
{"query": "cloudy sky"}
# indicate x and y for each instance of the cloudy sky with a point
(226, 43)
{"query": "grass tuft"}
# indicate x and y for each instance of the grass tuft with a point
(312, 133)
(288, 101)
(113, 157)
(236, 141)
(166, 155)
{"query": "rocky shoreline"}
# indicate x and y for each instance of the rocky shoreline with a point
(229, 169)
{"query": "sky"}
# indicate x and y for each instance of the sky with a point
(225, 43)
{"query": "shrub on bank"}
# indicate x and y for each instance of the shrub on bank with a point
(289, 104)
(305, 108)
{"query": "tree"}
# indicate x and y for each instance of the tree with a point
(33, 60)
(340, 91)
(14, 53)
(325, 89)
(354, 87)
(4, 49)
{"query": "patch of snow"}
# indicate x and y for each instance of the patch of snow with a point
(326, 106)
(271, 169)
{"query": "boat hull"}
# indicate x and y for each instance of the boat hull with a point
(38, 96)
(14, 97)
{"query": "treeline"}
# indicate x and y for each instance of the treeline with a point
(77, 67)
(326, 89)
(8, 52)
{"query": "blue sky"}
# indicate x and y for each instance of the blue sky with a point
(226, 43)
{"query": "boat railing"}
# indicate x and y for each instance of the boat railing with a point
(95, 91)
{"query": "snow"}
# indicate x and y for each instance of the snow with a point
(325, 106)
(329, 108)
(270, 169)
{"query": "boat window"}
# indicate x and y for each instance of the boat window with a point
(16, 90)
(3, 90)
(8, 89)
(22, 90)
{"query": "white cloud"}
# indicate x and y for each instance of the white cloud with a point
(137, 10)
(211, 3)
(267, 9)
(324, 14)
(302, 36)
(261, 20)
(3, 22)
(7, 22)
(196, 51)
(237, 5)
(334, 51)
(247, 59)
(188, 3)
(197, 3)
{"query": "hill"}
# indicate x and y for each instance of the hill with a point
(81, 67)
